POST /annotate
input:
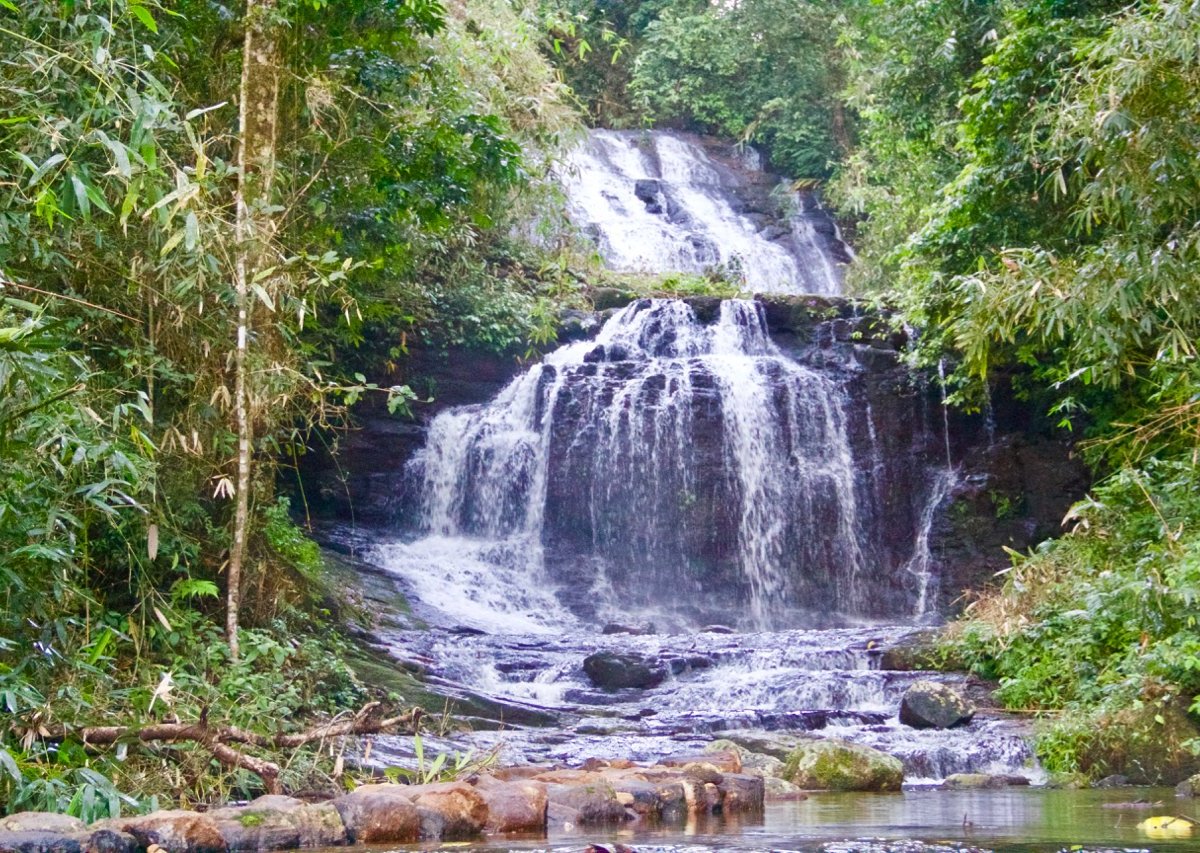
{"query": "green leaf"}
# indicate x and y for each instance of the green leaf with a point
(143, 15)
(188, 588)
(174, 240)
(51, 161)
(81, 196)
(191, 228)
(97, 198)
(7, 763)
(120, 158)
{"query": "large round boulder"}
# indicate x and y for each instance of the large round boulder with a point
(929, 705)
(838, 765)
(379, 814)
(276, 822)
(617, 670)
(175, 831)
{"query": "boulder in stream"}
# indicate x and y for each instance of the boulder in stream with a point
(379, 814)
(984, 780)
(41, 822)
(593, 804)
(37, 841)
(617, 670)
(767, 767)
(279, 823)
(718, 760)
(175, 831)
(1189, 787)
(516, 806)
(930, 705)
(642, 630)
(839, 765)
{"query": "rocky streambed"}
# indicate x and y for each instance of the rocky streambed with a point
(697, 522)
(499, 802)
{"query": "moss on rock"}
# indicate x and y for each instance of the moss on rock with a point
(839, 765)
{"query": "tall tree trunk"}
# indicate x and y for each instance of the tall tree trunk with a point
(258, 116)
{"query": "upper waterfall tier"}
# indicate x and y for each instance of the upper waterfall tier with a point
(657, 201)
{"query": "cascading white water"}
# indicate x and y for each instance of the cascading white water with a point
(681, 468)
(920, 565)
(656, 201)
(616, 436)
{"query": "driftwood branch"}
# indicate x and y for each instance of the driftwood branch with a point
(217, 739)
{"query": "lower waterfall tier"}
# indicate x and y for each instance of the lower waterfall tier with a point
(692, 467)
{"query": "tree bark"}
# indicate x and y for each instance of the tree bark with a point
(258, 116)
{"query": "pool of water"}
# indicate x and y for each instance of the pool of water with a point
(918, 821)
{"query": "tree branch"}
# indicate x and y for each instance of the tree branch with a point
(217, 739)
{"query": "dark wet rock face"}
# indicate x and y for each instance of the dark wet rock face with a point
(636, 630)
(38, 841)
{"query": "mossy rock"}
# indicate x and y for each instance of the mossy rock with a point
(604, 298)
(931, 705)
(929, 650)
(983, 780)
(838, 765)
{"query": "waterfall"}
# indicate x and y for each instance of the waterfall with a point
(920, 565)
(684, 470)
(656, 201)
(676, 464)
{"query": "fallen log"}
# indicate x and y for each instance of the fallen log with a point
(216, 739)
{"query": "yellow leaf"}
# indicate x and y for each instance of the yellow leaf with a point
(162, 619)
(1167, 826)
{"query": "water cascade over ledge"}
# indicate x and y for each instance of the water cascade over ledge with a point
(684, 467)
(659, 201)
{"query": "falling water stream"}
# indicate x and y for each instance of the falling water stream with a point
(680, 475)
(663, 202)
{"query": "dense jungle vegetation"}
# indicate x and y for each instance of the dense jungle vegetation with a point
(216, 220)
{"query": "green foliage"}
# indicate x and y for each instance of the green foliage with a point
(442, 767)
(1102, 620)
(594, 46)
(77, 791)
(1064, 243)
(66, 467)
(289, 542)
(763, 71)
(908, 67)
(410, 142)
